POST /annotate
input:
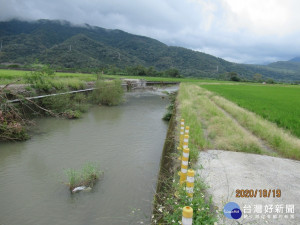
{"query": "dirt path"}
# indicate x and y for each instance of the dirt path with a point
(226, 171)
(267, 149)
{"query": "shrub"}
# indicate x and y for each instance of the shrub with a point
(170, 107)
(12, 126)
(108, 92)
(69, 105)
(57, 104)
(72, 114)
(41, 79)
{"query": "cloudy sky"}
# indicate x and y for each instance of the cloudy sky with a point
(248, 31)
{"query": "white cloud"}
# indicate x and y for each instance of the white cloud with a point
(239, 30)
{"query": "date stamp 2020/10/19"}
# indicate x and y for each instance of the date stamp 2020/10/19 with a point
(261, 193)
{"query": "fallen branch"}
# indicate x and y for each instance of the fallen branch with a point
(40, 107)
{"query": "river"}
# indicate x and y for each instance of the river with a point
(126, 141)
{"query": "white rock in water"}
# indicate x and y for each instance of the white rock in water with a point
(77, 189)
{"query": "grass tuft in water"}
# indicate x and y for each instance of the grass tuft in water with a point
(87, 176)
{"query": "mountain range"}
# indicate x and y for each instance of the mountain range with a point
(63, 45)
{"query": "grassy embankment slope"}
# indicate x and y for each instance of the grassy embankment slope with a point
(217, 123)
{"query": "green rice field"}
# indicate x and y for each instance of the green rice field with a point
(277, 103)
(7, 76)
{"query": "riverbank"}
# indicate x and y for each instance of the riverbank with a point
(171, 197)
(215, 123)
(43, 98)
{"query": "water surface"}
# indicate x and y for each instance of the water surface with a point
(126, 141)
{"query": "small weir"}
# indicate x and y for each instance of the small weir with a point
(125, 140)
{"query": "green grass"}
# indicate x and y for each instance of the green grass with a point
(175, 198)
(201, 113)
(211, 125)
(278, 104)
(166, 79)
(86, 176)
(75, 79)
(172, 197)
(79, 76)
(279, 139)
(7, 76)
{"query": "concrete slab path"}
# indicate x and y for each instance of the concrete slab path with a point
(229, 173)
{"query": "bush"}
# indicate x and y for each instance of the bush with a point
(233, 76)
(57, 104)
(41, 79)
(12, 126)
(270, 81)
(170, 107)
(72, 114)
(169, 112)
(69, 105)
(108, 92)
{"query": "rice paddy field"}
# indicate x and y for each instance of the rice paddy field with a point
(277, 103)
(229, 122)
(8, 76)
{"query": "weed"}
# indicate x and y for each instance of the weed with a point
(72, 114)
(170, 107)
(174, 198)
(87, 176)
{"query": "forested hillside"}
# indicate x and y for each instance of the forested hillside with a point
(63, 45)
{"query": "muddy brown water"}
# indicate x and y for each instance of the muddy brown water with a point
(125, 140)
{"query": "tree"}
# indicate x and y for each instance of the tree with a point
(233, 76)
(270, 81)
(172, 72)
(151, 72)
(257, 77)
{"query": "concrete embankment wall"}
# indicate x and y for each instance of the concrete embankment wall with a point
(167, 163)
